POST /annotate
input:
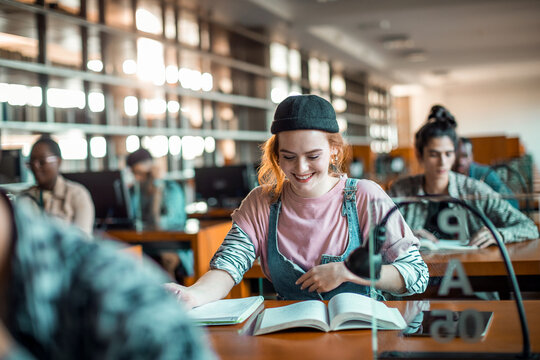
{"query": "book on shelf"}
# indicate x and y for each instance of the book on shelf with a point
(445, 245)
(344, 311)
(226, 311)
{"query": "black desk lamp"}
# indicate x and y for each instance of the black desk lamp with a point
(379, 234)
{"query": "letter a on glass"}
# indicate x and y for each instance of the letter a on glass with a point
(460, 281)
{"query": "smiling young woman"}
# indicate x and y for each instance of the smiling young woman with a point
(296, 223)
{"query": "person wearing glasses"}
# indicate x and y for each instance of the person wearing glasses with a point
(57, 196)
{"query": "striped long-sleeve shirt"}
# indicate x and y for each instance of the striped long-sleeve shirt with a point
(237, 254)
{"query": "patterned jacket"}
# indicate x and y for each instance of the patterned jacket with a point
(484, 173)
(511, 223)
(70, 298)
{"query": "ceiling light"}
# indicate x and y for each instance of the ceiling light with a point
(440, 72)
(132, 143)
(397, 42)
(415, 55)
(374, 25)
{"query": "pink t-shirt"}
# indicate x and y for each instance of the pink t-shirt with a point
(310, 227)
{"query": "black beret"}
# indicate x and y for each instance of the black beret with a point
(138, 156)
(304, 112)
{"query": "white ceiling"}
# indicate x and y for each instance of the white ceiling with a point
(458, 41)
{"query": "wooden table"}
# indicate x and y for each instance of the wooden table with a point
(504, 335)
(525, 258)
(484, 267)
(486, 271)
(204, 243)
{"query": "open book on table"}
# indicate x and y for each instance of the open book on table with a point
(344, 311)
(226, 311)
(443, 245)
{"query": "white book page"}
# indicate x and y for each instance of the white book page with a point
(230, 310)
(349, 306)
(455, 245)
(309, 313)
(428, 245)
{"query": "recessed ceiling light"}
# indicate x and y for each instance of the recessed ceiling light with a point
(397, 42)
(440, 72)
(374, 25)
(415, 55)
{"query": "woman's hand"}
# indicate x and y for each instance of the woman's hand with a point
(483, 238)
(424, 234)
(324, 278)
(212, 286)
(183, 294)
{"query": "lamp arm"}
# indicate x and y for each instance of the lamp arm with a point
(526, 354)
(509, 270)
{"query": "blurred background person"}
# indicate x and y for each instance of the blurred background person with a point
(53, 193)
(435, 145)
(466, 165)
(159, 204)
(66, 298)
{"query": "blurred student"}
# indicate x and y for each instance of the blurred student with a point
(435, 145)
(466, 165)
(159, 204)
(66, 298)
(53, 193)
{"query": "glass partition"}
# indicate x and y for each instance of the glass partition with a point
(472, 295)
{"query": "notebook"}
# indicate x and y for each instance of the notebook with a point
(226, 311)
(445, 245)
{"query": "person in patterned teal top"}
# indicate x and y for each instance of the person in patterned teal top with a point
(435, 145)
(63, 297)
(466, 165)
(159, 204)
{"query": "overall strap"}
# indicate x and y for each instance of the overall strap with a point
(275, 209)
(350, 210)
(349, 196)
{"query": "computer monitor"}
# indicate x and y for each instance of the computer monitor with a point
(224, 186)
(386, 165)
(12, 167)
(110, 195)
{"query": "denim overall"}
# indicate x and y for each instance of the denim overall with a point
(284, 272)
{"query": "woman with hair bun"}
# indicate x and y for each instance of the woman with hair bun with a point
(435, 145)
